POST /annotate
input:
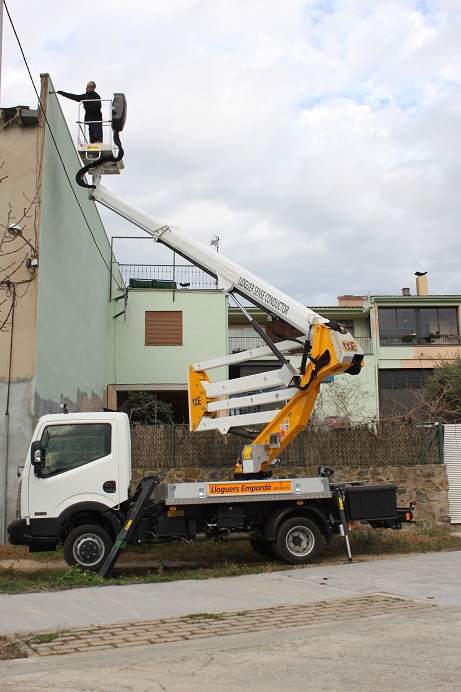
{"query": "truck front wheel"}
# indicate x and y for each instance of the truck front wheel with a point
(88, 547)
(298, 541)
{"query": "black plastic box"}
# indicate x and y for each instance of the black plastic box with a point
(171, 526)
(152, 283)
(365, 502)
(230, 516)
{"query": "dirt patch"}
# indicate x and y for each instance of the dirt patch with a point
(11, 647)
(33, 565)
(122, 565)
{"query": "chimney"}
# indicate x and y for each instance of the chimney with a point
(405, 291)
(421, 286)
(349, 301)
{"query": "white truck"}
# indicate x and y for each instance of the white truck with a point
(74, 486)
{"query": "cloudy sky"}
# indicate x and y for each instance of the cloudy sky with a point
(321, 141)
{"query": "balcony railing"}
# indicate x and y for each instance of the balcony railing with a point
(246, 343)
(177, 276)
(366, 342)
(415, 340)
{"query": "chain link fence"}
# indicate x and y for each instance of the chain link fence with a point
(382, 444)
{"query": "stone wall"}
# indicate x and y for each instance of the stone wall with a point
(426, 485)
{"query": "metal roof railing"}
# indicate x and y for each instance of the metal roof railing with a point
(166, 276)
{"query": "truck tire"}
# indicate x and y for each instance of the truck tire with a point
(263, 547)
(298, 541)
(88, 547)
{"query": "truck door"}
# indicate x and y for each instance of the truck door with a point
(81, 465)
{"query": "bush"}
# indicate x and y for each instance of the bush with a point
(146, 409)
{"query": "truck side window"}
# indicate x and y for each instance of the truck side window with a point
(69, 446)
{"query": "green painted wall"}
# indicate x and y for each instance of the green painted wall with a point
(204, 337)
(73, 336)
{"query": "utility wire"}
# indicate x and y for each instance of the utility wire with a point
(58, 152)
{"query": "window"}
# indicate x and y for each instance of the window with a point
(163, 328)
(277, 331)
(406, 321)
(403, 378)
(414, 323)
(399, 391)
(387, 322)
(347, 324)
(69, 446)
(448, 321)
(252, 368)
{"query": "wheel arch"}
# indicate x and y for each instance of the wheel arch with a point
(307, 512)
(88, 513)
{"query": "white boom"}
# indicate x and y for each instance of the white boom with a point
(230, 276)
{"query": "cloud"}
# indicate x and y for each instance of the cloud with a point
(319, 140)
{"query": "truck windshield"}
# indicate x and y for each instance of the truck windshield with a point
(69, 446)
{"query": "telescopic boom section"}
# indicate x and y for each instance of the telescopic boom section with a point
(230, 276)
(327, 350)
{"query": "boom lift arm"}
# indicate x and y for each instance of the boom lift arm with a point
(328, 349)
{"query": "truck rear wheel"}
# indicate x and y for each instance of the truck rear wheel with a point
(298, 541)
(87, 546)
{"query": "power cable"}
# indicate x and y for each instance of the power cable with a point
(58, 152)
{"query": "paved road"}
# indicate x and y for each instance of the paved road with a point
(377, 626)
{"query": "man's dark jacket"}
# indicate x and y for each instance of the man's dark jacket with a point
(92, 110)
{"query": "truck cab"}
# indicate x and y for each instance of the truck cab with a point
(78, 466)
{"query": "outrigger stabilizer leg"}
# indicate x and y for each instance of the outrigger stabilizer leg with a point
(144, 492)
(338, 492)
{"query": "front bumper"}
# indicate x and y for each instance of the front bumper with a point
(19, 533)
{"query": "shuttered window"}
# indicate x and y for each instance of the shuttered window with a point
(163, 328)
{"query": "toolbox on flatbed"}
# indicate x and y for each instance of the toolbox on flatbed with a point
(365, 502)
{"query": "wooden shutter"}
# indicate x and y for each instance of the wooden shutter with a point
(163, 328)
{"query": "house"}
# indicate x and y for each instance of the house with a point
(167, 328)
(403, 337)
(411, 334)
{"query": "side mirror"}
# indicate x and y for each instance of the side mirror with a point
(37, 456)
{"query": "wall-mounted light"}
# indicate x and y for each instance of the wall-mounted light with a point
(16, 231)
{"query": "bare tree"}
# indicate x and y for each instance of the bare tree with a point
(341, 403)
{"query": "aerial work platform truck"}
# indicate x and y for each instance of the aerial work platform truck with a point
(74, 485)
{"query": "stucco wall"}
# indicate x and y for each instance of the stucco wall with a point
(21, 161)
(73, 297)
(63, 324)
(204, 336)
